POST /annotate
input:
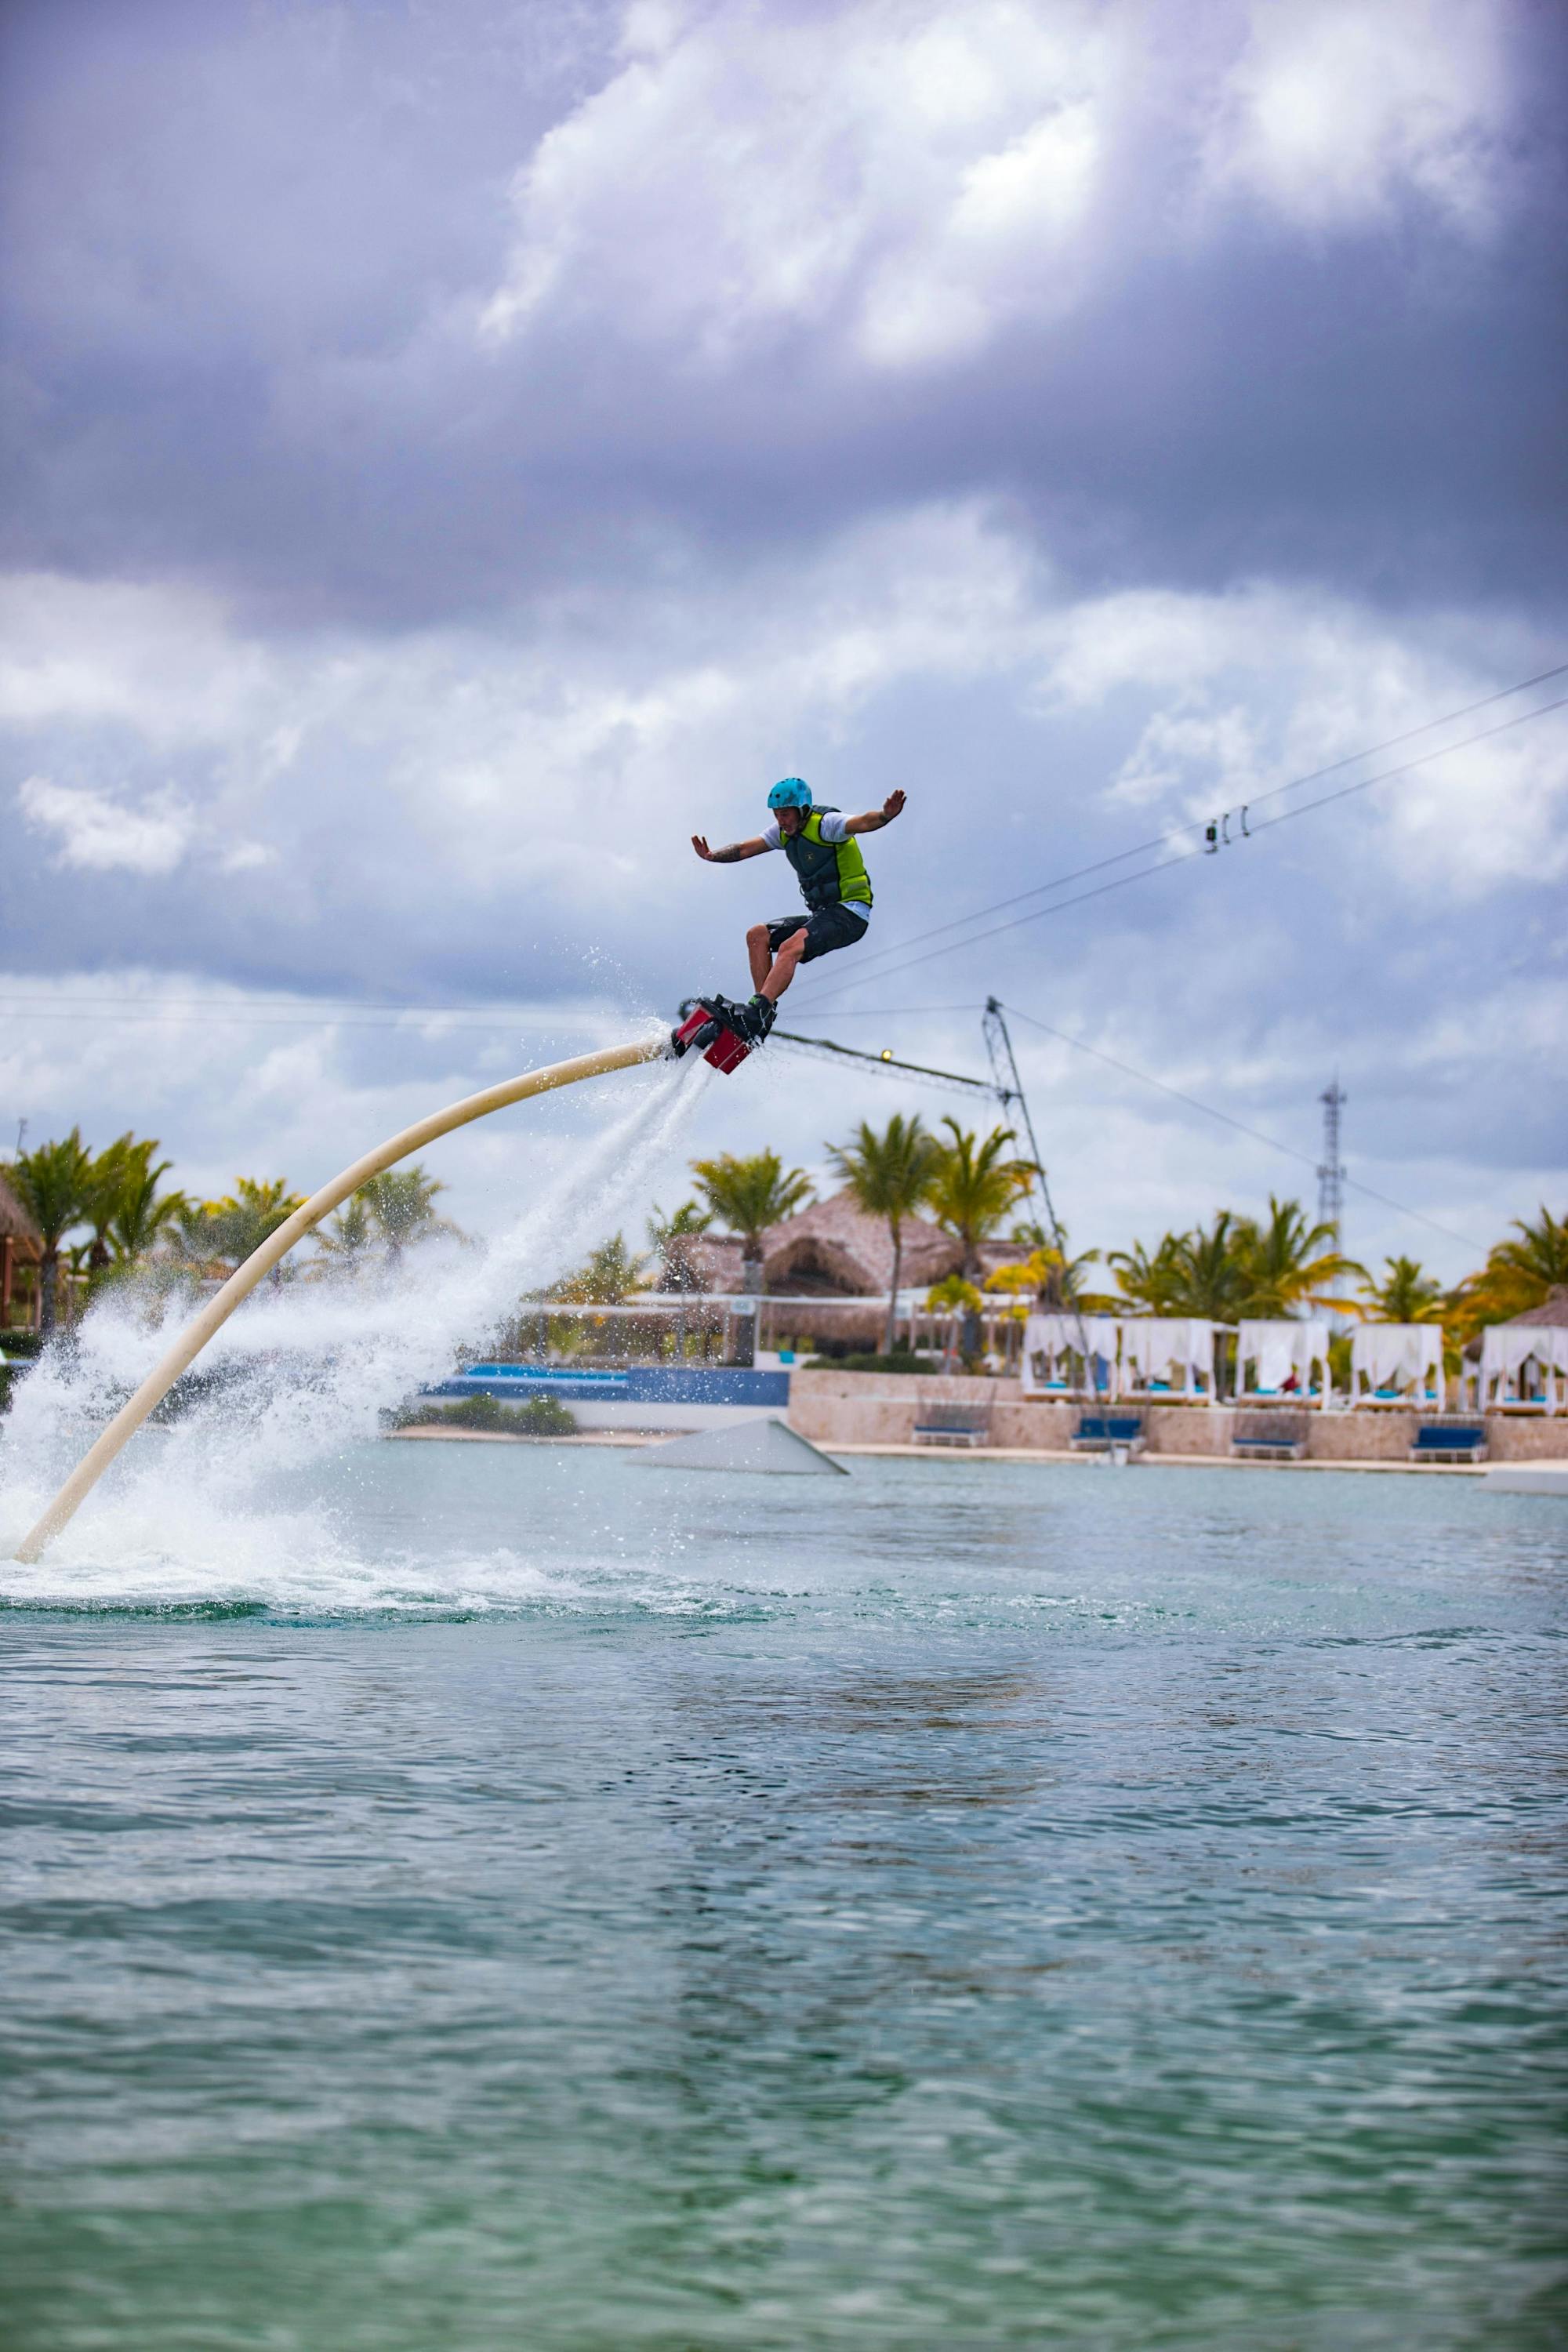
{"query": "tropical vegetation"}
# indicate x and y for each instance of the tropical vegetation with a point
(748, 1195)
(1404, 1293)
(1237, 1267)
(672, 1241)
(54, 1184)
(889, 1175)
(104, 1216)
(130, 1222)
(973, 1185)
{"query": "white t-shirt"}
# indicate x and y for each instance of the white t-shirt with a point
(835, 827)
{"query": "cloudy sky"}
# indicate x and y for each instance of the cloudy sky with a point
(455, 450)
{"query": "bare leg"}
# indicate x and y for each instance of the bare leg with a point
(785, 965)
(757, 953)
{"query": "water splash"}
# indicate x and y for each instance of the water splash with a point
(301, 1375)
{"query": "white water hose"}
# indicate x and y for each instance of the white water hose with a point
(243, 1281)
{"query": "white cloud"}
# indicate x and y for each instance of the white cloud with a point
(245, 856)
(1336, 106)
(164, 660)
(524, 761)
(910, 178)
(1254, 689)
(100, 835)
(917, 171)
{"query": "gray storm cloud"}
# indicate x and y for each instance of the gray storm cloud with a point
(455, 455)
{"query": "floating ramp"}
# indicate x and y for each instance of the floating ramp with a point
(1528, 1478)
(768, 1446)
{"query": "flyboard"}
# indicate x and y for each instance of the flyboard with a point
(721, 1032)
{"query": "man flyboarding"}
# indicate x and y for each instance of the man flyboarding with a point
(820, 843)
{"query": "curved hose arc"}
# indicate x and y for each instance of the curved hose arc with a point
(243, 1281)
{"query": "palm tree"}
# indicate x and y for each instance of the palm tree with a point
(142, 1213)
(749, 1195)
(107, 1179)
(890, 1176)
(254, 1210)
(1405, 1295)
(1055, 1280)
(228, 1231)
(346, 1242)
(671, 1239)
(1523, 1271)
(1210, 1277)
(608, 1277)
(1518, 1275)
(1154, 1283)
(1287, 1262)
(126, 1208)
(54, 1185)
(401, 1202)
(974, 1185)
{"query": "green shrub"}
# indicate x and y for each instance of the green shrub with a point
(540, 1416)
(543, 1416)
(476, 1411)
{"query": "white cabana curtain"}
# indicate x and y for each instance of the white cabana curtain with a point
(1176, 1350)
(1051, 1341)
(1405, 1357)
(1507, 1348)
(1270, 1352)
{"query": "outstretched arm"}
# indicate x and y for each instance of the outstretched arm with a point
(875, 819)
(729, 856)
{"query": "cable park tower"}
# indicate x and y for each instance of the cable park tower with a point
(1330, 1168)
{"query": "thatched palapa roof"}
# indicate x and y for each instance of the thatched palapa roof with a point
(834, 1250)
(1553, 1308)
(17, 1226)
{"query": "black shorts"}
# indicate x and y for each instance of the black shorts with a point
(829, 927)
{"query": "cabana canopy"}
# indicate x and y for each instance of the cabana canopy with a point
(1397, 1363)
(1172, 1354)
(1280, 1357)
(1051, 1345)
(1509, 1353)
(1133, 1355)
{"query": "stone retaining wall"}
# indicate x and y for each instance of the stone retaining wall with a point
(836, 1408)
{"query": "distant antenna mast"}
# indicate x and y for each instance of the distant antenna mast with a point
(1330, 1171)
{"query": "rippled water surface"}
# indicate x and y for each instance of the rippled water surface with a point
(507, 1896)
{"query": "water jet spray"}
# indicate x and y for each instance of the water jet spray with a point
(277, 1245)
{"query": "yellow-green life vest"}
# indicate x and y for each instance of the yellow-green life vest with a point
(828, 872)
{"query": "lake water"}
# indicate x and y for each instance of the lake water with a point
(503, 1896)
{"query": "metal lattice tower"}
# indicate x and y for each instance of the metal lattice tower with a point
(1330, 1170)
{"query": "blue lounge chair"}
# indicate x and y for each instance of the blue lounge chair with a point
(1101, 1433)
(954, 1424)
(1439, 1441)
(1271, 1436)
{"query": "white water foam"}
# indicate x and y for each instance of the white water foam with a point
(191, 1513)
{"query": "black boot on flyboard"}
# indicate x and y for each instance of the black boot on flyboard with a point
(722, 1032)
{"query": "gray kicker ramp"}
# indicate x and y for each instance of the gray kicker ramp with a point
(769, 1444)
(1528, 1478)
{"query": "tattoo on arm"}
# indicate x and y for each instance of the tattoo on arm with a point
(727, 856)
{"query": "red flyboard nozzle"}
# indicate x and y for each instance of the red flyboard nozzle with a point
(727, 1052)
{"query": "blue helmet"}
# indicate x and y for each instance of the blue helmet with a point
(792, 791)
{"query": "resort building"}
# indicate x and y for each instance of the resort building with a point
(1522, 1364)
(831, 1266)
(21, 1254)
